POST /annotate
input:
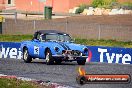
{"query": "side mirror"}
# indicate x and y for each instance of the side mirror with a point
(36, 40)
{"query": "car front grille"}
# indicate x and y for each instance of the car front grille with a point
(71, 52)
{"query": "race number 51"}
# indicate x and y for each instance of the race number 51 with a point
(36, 50)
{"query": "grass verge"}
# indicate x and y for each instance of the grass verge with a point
(113, 43)
(15, 38)
(14, 83)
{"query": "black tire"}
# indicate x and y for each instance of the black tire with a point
(81, 62)
(49, 58)
(58, 61)
(26, 57)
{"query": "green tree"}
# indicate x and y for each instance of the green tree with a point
(98, 3)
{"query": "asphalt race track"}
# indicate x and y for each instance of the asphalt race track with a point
(64, 73)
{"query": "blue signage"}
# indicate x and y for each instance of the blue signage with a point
(96, 53)
(110, 54)
(10, 50)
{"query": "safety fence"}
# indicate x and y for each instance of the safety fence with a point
(74, 27)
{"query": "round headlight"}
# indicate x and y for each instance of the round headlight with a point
(56, 49)
(85, 50)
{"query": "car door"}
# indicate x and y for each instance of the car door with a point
(38, 47)
(35, 47)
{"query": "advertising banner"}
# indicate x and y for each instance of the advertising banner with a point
(110, 54)
(96, 53)
(10, 50)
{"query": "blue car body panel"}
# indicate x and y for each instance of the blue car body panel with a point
(37, 49)
(41, 46)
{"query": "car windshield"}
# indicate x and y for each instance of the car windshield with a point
(57, 37)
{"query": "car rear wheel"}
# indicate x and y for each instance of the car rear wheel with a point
(26, 57)
(81, 62)
(49, 58)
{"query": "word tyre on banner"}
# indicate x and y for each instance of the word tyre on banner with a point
(114, 57)
(110, 54)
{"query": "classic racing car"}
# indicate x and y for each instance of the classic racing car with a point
(55, 47)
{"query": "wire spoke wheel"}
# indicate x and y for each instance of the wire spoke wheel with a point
(49, 58)
(26, 57)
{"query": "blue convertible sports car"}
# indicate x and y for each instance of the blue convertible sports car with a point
(55, 47)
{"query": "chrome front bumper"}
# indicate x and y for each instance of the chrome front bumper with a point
(69, 57)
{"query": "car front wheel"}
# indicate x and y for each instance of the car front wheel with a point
(81, 62)
(58, 61)
(26, 57)
(49, 58)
